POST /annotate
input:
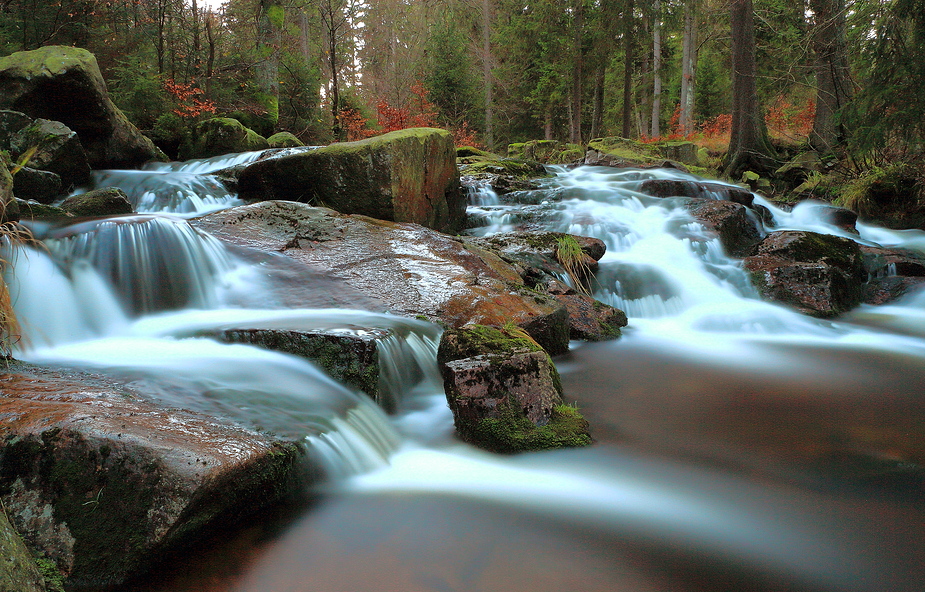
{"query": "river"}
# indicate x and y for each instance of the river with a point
(739, 444)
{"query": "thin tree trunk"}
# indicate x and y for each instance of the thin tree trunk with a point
(749, 147)
(627, 68)
(210, 63)
(267, 70)
(597, 117)
(688, 67)
(832, 75)
(575, 107)
(196, 41)
(547, 122)
(656, 71)
(486, 72)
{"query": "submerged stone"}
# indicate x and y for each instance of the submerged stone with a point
(505, 392)
(349, 358)
(404, 176)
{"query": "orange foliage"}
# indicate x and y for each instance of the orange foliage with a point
(784, 119)
(420, 113)
(189, 105)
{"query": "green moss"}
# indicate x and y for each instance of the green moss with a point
(284, 140)
(628, 150)
(475, 340)
(54, 580)
(464, 151)
(512, 432)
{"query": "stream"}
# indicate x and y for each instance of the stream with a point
(739, 445)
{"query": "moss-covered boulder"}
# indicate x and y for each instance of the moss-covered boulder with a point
(18, 570)
(222, 135)
(404, 176)
(64, 84)
(546, 151)
(284, 140)
(52, 146)
(407, 268)
(107, 201)
(818, 274)
(104, 484)
(505, 392)
(621, 153)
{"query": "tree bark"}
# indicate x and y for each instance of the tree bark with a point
(267, 69)
(628, 68)
(688, 67)
(749, 146)
(656, 71)
(486, 72)
(577, 74)
(597, 116)
(833, 81)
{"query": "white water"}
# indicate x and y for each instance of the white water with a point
(690, 306)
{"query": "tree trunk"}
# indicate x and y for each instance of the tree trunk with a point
(267, 69)
(575, 108)
(832, 75)
(688, 67)
(486, 72)
(547, 123)
(210, 63)
(749, 146)
(597, 117)
(627, 68)
(656, 71)
(197, 44)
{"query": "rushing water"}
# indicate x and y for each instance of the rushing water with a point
(741, 445)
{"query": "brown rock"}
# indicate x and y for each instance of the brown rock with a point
(103, 482)
(682, 188)
(730, 221)
(411, 269)
(821, 275)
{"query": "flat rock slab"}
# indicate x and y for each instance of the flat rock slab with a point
(104, 483)
(413, 270)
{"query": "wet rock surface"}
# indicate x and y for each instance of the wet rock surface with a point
(352, 359)
(412, 270)
(702, 189)
(505, 392)
(405, 176)
(737, 230)
(820, 275)
(103, 482)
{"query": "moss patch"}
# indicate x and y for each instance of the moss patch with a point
(511, 432)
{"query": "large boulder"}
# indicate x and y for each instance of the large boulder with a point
(893, 273)
(405, 176)
(737, 230)
(53, 147)
(42, 186)
(284, 140)
(64, 84)
(222, 135)
(412, 270)
(505, 392)
(538, 257)
(818, 274)
(104, 484)
(10, 123)
(701, 189)
(106, 201)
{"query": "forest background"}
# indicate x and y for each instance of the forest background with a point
(843, 78)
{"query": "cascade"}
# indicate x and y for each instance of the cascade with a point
(708, 411)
